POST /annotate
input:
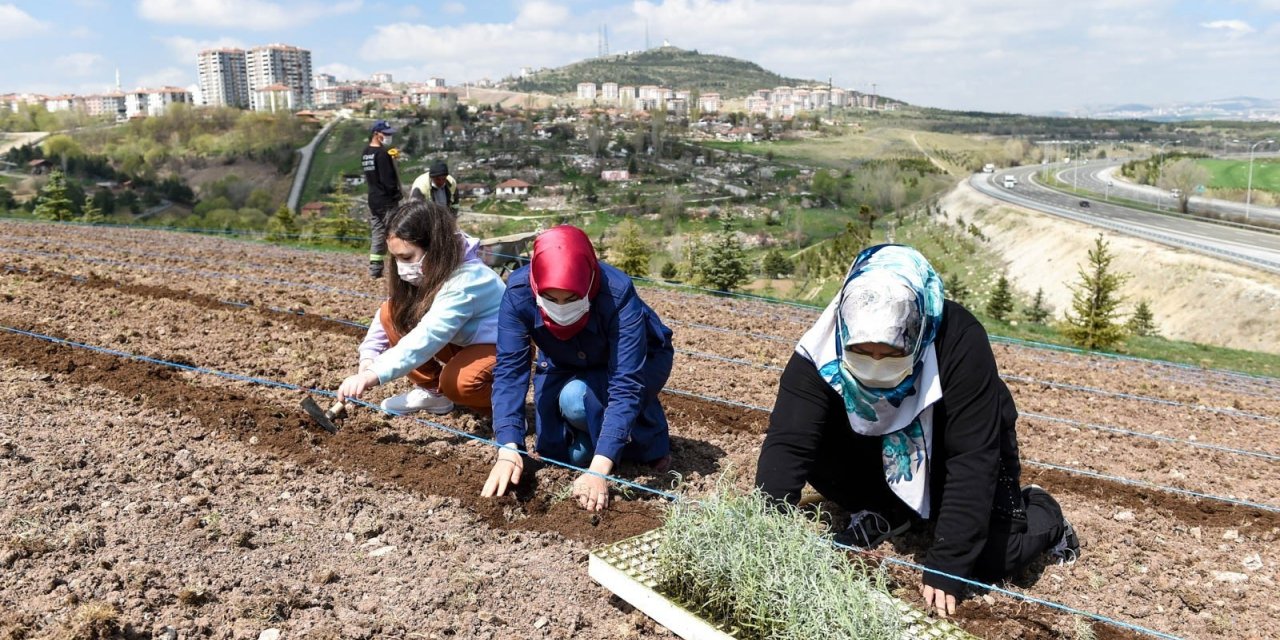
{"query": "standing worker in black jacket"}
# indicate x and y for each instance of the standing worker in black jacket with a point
(384, 191)
(893, 408)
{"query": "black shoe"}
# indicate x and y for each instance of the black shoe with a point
(375, 270)
(1067, 550)
(868, 530)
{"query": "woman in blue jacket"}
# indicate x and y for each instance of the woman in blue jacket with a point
(602, 357)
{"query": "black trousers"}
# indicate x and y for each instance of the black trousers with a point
(850, 473)
(378, 230)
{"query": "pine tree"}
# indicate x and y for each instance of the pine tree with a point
(282, 226)
(1039, 311)
(92, 214)
(1092, 322)
(777, 265)
(1143, 322)
(956, 289)
(1001, 303)
(723, 263)
(53, 203)
(669, 271)
(631, 251)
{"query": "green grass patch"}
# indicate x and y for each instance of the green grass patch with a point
(1234, 174)
(339, 154)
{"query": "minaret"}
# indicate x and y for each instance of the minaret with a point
(118, 89)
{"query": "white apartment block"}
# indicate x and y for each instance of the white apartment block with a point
(586, 91)
(153, 102)
(709, 103)
(650, 92)
(381, 78)
(436, 82)
(224, 78)
(53, 104)
(105, 104)
(280, 64)
(336, 96)
(838, 97)
(325, 80)
(757, 105)
(609, 91)
(275, 97)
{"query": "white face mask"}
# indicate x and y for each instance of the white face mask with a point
(885, 373)
(410, 272)
(386, 139)
(567, 313)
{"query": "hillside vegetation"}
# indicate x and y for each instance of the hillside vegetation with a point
(664, 66)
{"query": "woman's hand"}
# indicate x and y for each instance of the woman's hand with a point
(938, 600)
(506, 472)
(591, 490)
(355, 386)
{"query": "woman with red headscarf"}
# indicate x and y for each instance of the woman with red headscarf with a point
(602, 357)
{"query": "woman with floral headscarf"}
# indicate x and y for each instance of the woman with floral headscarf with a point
(602, 357)
(892, 407)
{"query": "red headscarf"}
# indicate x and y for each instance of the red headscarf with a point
(563, 258)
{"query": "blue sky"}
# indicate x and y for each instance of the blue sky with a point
(1028, 55)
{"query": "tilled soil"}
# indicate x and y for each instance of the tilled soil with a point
(84, 447)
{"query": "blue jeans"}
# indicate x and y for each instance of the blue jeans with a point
(573, 406)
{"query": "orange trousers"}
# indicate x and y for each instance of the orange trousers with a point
(463, 374)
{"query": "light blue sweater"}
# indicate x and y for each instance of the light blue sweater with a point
(465, 312)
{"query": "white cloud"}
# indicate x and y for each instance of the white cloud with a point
(342, 71)
(186, 49)
(242, 14)
(454, 8)
(540, 14)
(77, 64)
(16, 23)
(1236, 27)
(410, 12)
(166, 77)
(471, 51)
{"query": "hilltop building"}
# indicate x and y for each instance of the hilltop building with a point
(280, 64)
(223, 78)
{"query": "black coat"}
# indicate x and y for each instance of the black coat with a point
(974, 468)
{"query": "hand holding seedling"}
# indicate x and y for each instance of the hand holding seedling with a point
(937, 600)
(506, 471)
(355, 386)
(592, 490)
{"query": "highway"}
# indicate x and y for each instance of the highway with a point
(1099, 177)
(1244, 246)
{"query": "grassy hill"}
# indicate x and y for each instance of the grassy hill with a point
(664, 66)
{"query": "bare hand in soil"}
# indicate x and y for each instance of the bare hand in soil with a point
(939, 601)
(355, 386)
(506, 471)
(591, 490)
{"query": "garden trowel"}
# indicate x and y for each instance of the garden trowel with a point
(326, 420)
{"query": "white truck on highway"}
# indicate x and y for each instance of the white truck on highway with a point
(988, 168)
(1010, 182)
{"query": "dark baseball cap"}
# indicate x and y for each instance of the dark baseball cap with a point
(382, 126)
(439, 169)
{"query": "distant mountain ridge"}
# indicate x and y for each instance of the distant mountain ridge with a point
(666, 66)
(1238, 108)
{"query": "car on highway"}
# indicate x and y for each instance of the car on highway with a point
(1084, 203)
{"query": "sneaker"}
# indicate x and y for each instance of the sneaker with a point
(1067, 550)
(419, 399)
(868, 530)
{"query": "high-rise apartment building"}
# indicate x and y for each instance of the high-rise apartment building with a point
(224, 79)
(280, 64)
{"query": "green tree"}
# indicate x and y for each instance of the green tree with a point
(669, 271)
(92, 214)
(7, 201)
(1001, 303)
(1039, 310)
(53, 203)
(282, 226)
(1093, 322)
(956, 289)
(1185, 175)
(723, 263)
(777, 265)
(630, 251)
(1143, 322)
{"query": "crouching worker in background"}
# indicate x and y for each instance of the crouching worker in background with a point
(893, 408)
(440, 323)
(602, 357)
